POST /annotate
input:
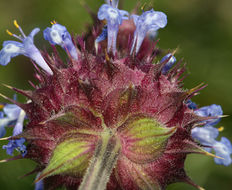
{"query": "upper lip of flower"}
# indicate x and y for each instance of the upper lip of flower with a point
(210, 111)
(149, 20)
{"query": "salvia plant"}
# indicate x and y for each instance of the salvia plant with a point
(111, 116)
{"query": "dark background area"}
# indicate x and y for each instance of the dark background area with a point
(202, 31)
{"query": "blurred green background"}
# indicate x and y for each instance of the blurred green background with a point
(202, 29)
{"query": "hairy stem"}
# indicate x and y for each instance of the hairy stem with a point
(102, 163)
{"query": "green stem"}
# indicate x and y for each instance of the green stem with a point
(102, 163)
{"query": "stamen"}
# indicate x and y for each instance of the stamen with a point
(16, 24)
(14, 35)
(111, 3)
(53, 22)
(9, 33)
(20, 29)
(220, 129)
(1, 106)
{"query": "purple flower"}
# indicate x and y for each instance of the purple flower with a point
(8, 116)
(59, 35)
(14, 115)
(26, 47)
(15, 144)
(210, 111)
(170, 62)
(12, 111)
(149, 20)
(223, 149)
(205, 135)
(114, 18)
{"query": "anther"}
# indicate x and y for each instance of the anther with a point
(9, 33)
(16, 24)
(20, 29)
(220, 129)
(53, 22)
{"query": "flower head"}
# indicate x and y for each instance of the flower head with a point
(26, 47)
(149, 20)
(59, 35)
(111, 122)
(114, 18)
